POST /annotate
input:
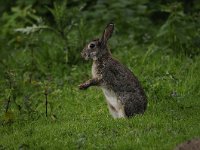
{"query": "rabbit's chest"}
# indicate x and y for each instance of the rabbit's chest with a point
(95, 72)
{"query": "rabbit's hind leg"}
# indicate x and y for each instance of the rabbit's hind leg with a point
(121, 113)
(113, 111)
(116, 113)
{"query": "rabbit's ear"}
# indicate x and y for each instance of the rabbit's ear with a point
(107, 34)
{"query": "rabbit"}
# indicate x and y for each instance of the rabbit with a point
(124, 95)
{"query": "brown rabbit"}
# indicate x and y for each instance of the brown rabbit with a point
(124, 94)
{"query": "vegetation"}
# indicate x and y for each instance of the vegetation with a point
(41, 68)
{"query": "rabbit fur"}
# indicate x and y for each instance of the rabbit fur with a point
(124, 95)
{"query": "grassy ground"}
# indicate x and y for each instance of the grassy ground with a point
(83, 122)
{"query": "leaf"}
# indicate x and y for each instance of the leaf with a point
(31, 29)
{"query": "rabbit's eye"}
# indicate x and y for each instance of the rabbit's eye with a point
(92, 45)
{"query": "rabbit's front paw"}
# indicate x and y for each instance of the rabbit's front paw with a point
(83, 86)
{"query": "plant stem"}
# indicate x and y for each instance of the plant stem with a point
(46, 103)
(8, 103)
(9, 98)
(32, 64)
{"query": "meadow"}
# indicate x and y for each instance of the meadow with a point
(41, 68)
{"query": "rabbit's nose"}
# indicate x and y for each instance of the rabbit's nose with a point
(85, 55)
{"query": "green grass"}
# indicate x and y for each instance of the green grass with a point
(83, 121)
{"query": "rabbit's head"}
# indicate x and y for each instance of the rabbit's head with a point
(98, 48)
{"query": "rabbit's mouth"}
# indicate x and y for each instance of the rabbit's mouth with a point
(86, 57)
(92, 55)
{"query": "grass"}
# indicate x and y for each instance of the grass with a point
(83, 121)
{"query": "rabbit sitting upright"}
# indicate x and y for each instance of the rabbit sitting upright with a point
(124, 94)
